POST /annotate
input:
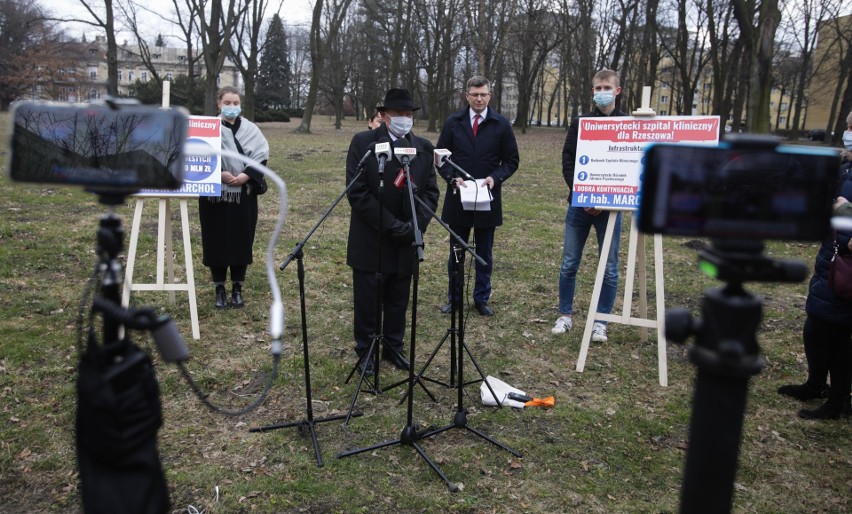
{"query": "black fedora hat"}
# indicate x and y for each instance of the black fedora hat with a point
(398, 99)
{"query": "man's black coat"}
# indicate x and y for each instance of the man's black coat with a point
(493, 152)
(363, 196)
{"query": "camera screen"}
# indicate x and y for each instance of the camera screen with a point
(777, 193)
(123, 149)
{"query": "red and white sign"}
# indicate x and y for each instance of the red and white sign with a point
(610, 154)
(202, 171)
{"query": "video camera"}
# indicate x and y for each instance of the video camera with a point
(746, 188)
(119, 148)
(740, 193)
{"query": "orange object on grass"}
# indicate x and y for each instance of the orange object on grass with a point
(541, 402)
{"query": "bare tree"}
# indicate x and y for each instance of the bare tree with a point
(758, 21)
(488, 25)
(246, 48)
(337, 10)
(784, 79)
(803, 18)
(105, 20)
(533, 36)
(839, 32)
(32, 53)
(438, 44)
(216, 22)
(725, 56)
(688, 51)
(130, 12)
(648, 55)
(300, 58)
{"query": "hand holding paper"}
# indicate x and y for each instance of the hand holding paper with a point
(476, 195)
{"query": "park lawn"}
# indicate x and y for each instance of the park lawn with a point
(615, 441)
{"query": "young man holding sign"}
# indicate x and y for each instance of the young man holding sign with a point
(579, 220)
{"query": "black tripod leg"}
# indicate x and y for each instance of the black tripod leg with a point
(450, 485)
(376, 446)
(481, 374)
(419, 376)
(492, 440)
(369, 355)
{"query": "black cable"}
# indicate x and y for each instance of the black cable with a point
(215, 408)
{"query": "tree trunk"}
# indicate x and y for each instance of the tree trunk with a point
(760, 41)
(316, 66)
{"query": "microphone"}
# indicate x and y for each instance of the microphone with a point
(404, 153)
(383, 153)
(442, 156)
(366, 156)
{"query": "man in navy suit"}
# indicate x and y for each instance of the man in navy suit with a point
(483, 144)
(393, 215)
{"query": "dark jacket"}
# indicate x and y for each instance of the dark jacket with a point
(361, 252)
(569, 149)
(822, 303)
(494, 152)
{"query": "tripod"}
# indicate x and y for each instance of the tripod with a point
(727, 355)
(118, 407)
(409, 434)
(456, 329)
(308, 424)
(377, 339)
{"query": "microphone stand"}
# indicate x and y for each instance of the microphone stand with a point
(377, 340)
(309, 423)
(409, 435)
(456, 329)
(460, 418)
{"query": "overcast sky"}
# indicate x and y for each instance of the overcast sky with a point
(292, 12)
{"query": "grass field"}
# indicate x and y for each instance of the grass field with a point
(615, 442)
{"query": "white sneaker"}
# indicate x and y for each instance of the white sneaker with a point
(563, 324)
(599, 333)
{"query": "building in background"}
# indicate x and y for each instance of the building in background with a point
(829, 51)
(81, 75)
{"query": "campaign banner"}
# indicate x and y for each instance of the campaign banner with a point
(610, 154)
(202, 171)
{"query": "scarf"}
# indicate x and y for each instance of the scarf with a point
(254, 146)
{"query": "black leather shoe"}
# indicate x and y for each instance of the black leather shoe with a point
(803, 392)
(237, 296)
(366, 367)
(396, 359)
(484, 309)
(221, 300)
(446, 309)
(827, 411)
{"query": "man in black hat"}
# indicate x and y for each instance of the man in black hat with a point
(394, 256)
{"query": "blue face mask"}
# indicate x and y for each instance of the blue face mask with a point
(231, 113)
(847, 139)
(604, 98)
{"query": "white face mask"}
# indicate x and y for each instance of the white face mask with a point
(401, 125)
(847, 139)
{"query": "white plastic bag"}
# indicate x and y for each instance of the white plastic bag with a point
(502, 390)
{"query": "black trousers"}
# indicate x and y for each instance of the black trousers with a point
(828, 348)
(395, 292)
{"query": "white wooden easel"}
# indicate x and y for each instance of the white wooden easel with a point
(637, 242)
(165, 256)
